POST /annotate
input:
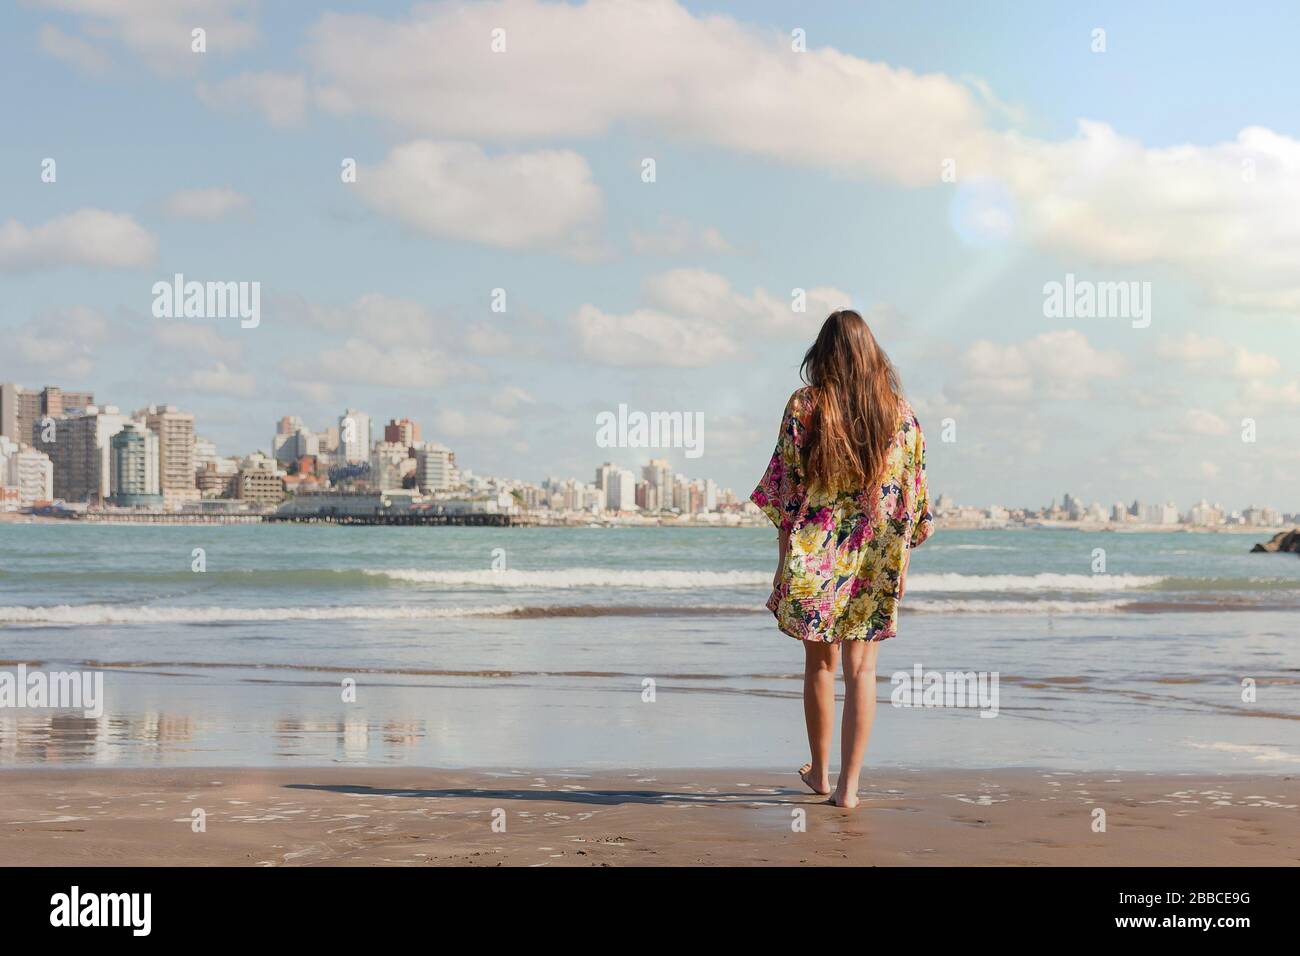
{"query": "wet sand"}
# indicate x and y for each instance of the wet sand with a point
(418, 817)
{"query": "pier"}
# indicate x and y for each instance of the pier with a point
(466, 520)
(158, 517)
(431, 520)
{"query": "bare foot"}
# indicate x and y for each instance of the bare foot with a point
(844, 800)
(820, 785)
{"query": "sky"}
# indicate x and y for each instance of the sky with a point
(936, 166)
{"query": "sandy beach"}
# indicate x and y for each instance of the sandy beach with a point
(419, 817)
(299, 702)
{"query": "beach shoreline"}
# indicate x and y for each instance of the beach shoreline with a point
(476, 648)
(570, 522)
(369, 816)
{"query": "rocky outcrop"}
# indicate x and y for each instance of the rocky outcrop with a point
(1282, 541)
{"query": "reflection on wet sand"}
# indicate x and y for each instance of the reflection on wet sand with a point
(64, 737)
(354, 737)
(68, 737)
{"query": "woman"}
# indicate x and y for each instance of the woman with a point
(846, 489)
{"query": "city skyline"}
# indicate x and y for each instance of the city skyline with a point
(309, 459)
(505, 272)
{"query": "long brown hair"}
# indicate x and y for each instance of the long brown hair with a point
(857, 401)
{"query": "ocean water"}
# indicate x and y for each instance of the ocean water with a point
(644, 647)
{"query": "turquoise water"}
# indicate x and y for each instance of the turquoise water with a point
(531, 647)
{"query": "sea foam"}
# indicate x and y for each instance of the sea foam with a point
(83, 614)
(664, 580)
(564, 579)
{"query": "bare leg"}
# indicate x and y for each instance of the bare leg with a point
(859, 712)
(820, 663)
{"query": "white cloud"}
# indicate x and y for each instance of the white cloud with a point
(580, 70)
(158, 31)
(388, 320)
(1260, 300)
(545, 199)
(74, 51)
(509, 397)
(206, 204)
(1261, 393)
(186, 339)
(87, 237)
(675, 237)
(362, 362)
(1192, 350)
(63, 340)
(321, 393)
(694, 318)
(707, 297)
(647, 338)
(1250, 365)
(1053, 365)
(479, 424)
(387, 340)
(1112, 200)
(217, 380)
(485, 339)
(1224, 214)
(1200, 422)
(1201, 353)
(281, 98)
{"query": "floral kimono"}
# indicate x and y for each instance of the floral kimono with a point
(846, 566)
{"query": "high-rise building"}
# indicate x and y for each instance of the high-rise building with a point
(658, 475)
(55, 401)
(288, 448)
(681, 500)
(1161, 514)
(26, 475)
(1205, 514)
(214, 482)
(205, 453)
(18, 409)
(175, 431)
(604, 475)
(78, 446)
(435, 467)
(710, 495)
(1261, 517)
(620, 492)
(403, 432)
(33, 474)
(134, 467)
(389, 464)
(293, 440)
(354, 437)
(259, 481)
(21, 408)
